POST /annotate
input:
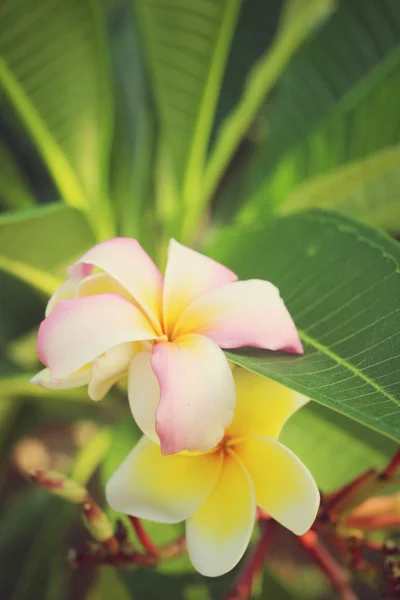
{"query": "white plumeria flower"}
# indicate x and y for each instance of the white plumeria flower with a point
(117, 315)
(217, 492)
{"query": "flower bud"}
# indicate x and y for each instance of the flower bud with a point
(96, 522)
(59, 485)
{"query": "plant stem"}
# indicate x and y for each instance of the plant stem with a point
(335, 573)
(392, 467)
(242, 587)
(143, 537)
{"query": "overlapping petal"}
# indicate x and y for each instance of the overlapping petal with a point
(101, 283)
(197, 393)
(80, 330)
(219, 532)
(188, 275)
(108, 368)
(66, 291)
(126, 261)
(166, 489)
(243, 313)
(262, 405)
(44, 379)
(284, 487)
(144, 393)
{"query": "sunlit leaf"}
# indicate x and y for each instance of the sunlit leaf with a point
(186, 47)
(335, 104)
(299, 18)
(35, 244)
(56, 78)
(367, 189)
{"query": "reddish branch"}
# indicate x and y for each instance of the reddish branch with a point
(392, 467)
(126, 556)
(344, 519)
(339, 500)
(242, 587)
(143, 537)
(335, 573)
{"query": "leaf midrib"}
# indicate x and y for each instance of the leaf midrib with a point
(338, 359)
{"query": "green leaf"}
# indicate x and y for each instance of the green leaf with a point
(367, 189)
(187, 47)
(336, 104)
(335, 448)
(108, 585)
(18, 384)
(255, 32)
(300, 17)
(341, 283)
(35, 245)
(14, 190)
(24, 553)
(56, 78)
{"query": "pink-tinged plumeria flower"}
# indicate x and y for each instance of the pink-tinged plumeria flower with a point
(217, 492)
(117, 315)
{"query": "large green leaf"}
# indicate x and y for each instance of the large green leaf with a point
(186, 46)
(335, 104)
(35, 244)
(367, 189)
(341, 283)
(54, 72)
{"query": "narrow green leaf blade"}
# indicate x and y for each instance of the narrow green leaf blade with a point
(367, 189)
(299, 19)
(341, 283)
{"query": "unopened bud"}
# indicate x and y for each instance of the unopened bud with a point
(96, 522)
(59, 485)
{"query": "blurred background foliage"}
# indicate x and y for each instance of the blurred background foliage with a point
(153, 118)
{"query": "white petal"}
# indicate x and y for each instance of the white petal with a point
(219, 532)
(166, 489)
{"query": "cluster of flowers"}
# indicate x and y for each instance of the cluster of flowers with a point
(210, 452)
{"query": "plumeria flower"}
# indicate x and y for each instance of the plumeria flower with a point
(217, 492)
(117, 315)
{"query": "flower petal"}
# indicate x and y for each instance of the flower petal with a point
(126, 261)
(144, 394)
(108, 368)
(262, 405)
(80, 330)
(243, 313)
(219, 532)
(197, 393)
(43, 379)
(284, 487)
(101, 283)
(188, 275)
(166, 489)
(66, 291)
